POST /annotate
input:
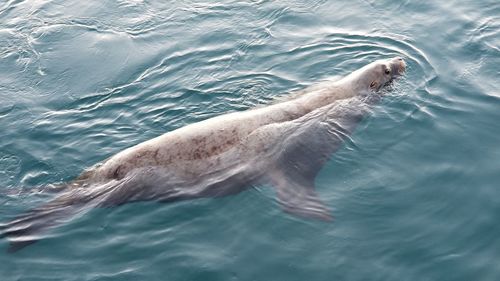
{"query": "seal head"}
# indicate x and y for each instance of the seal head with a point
(378, 74)
(385, 71)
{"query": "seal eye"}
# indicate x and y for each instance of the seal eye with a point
(387, 71)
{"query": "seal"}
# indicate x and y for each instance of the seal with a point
(285, 144)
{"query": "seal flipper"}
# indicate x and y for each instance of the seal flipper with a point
(31, 226)
(306, 148)
(28, 228)
(297, 197)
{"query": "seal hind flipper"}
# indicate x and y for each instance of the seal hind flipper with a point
(18, 245)
(29, 227)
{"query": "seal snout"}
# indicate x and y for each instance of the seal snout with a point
(398, 66)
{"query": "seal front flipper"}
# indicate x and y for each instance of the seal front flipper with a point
(297, 197)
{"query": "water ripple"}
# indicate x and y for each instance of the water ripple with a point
(413, 189)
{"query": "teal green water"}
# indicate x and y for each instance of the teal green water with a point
(415, 194)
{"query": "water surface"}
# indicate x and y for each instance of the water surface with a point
(414, 193)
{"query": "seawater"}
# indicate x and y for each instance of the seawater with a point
(415, 192)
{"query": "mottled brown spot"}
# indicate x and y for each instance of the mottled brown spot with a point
(155, 156)
(117, 173)
(197, 155)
